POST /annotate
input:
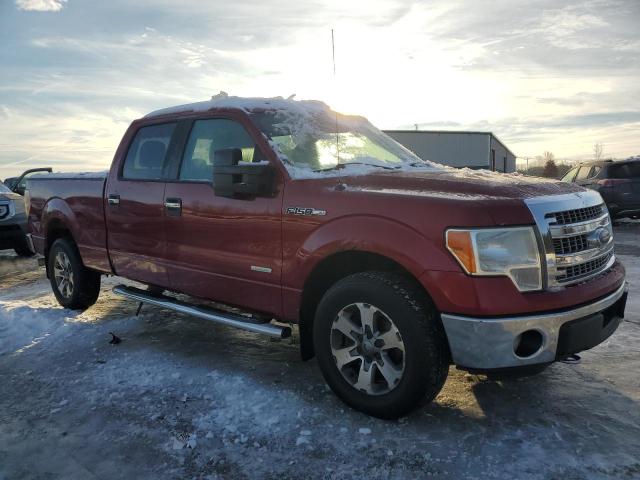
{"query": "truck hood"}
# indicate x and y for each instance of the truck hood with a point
(501, 196)
(459, 184)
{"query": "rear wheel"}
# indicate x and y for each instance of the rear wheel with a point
(380, 345)
(75, 286)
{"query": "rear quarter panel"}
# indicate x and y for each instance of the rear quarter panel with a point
(76, 203)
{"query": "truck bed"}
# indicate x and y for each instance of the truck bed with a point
(77, 201)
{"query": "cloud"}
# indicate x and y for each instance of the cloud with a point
(40, 5)
(554, 75)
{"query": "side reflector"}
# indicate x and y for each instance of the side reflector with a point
(459, 243)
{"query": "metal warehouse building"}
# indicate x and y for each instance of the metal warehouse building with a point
(458, 149)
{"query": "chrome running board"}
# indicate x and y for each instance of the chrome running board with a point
(224, 318)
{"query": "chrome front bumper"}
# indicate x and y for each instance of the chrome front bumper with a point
(490, 343)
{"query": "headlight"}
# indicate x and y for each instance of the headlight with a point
(512, 252)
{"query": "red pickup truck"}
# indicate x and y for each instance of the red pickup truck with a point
(392, 267)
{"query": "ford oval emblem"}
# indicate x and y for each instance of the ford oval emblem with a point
(603, 235)
(599, 237)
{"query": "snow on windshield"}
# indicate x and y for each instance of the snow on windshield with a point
(312, 140)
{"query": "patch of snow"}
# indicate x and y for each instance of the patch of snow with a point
(247, 104)
(192, 442)
(177, 444)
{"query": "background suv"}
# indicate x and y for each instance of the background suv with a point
(13, 223)
(617, 181)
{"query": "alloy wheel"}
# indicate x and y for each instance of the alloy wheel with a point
(367, 349)
(63, 274)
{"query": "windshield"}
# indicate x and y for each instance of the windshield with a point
(324, 140)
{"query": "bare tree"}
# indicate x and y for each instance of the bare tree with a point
(598, 149)
(550, 167)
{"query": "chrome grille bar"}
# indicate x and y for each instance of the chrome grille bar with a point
(573, 244)
(576, 216)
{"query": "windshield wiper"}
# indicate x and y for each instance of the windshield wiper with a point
(343, 165)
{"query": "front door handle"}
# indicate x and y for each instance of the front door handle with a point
(173, 206)
(113, 199)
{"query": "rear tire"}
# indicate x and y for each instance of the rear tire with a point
(391, 368)
(75, 286)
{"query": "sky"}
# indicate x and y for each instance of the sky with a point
(543, 75)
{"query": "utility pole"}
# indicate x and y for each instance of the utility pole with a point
(526, 159)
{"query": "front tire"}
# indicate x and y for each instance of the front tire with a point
(75, 286)
(380, 345)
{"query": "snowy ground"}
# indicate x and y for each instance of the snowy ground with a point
(182, 398)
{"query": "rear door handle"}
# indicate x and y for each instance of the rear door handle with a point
(173, 206)
(113, 199)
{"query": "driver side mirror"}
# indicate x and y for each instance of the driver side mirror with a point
(234, 179)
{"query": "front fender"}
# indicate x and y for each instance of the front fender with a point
(368, 233)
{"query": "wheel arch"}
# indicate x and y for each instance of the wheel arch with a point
(56, 228)
(58, 220)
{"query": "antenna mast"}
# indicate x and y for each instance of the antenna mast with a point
(333, 52)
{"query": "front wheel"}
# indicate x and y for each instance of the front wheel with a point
(75, 286)
(380, 345)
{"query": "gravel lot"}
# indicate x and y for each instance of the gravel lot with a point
(183, 398)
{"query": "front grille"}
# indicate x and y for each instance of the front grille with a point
(566, 274)
(571, 228)
(575, 216)
(564, 246)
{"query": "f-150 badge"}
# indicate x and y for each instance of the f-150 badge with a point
(305, 211)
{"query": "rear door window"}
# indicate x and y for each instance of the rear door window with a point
(148, 152)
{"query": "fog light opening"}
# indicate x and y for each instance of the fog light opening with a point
(528, 343)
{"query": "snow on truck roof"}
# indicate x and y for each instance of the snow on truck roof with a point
(248, 104)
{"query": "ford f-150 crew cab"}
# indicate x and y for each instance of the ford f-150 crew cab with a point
(393, 268)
